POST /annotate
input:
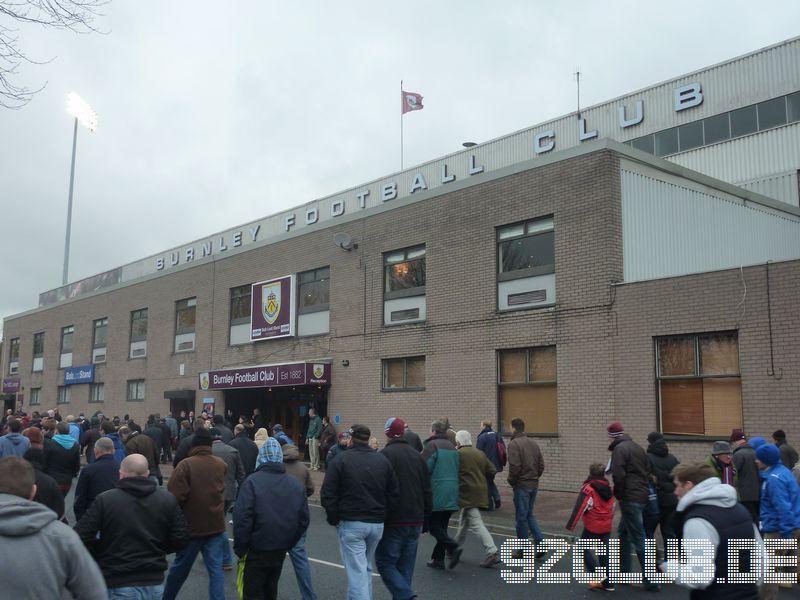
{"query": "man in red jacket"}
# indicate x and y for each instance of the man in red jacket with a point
(595, 505)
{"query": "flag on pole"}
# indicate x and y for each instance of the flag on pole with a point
(410, 101)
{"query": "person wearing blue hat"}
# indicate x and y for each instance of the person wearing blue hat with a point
(780, 505)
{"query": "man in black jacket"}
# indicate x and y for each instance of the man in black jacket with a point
(397, 550)
(359, 489)
(139, 524)
(100, 476)
(748, 480)
(662, 463)
(219, 423)
(47, 491)
(248, 451)
(270, 517)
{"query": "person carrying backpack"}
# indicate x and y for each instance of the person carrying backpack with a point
(493, 446)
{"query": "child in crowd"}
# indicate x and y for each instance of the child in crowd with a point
(595, 505)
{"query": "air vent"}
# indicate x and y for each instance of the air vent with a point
(137, 352)
(186, 346)
(527, 297)
(99, 358)
(404, 315)
(13, 369)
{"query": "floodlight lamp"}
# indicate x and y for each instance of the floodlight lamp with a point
(80, 109)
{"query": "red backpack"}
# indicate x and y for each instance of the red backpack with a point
(501, 451)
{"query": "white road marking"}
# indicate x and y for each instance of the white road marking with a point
(330, 564)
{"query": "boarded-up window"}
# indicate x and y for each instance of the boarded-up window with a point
(528, 389)
(404, 373)
(699, 384)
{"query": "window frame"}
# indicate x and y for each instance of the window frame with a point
(35, 397)
(321, 274)
(63, 394)
(527, 225)
(527, 383)
(93, 387)
(12, 344)
(138, 384)
(68, 330)
(95, 328)
(405, 360)
(39, 335)
(136, 316)
(406, 292)
(189, 307)
(238, 299)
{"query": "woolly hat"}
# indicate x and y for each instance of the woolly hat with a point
(395, 428)
(769, 454)
(463, 438)
(757, 442)
(270, 452)
(343, 436)
(202, 438)
(736, 435)
(721, 447)
(779, 435)
(360, 433)
(654, 436)
(615, 429)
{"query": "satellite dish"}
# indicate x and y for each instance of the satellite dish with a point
(344, 241)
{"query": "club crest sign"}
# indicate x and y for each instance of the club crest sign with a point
(272, 309)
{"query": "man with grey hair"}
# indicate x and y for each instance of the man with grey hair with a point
(441, 458)
(100, 476)
(138, 525)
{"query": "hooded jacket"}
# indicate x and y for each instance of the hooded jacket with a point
(662, 463)
(139, 524)
(443, 464)
(14, 444)
(46, 557)
(630, 469)
(595, 504)
(748, 480)
(780, 501)
(62, 463)
(291, 461)
(261, 437)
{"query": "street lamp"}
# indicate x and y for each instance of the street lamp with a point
(81, 111)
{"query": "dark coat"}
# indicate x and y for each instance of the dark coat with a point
(525, 462)
(47, 491)
(414, 500)
(225, 432)
(474, 468)
(198, 483)
(442, 460)
(487, 443)
(153, 431)
(271, 512)
(630, 470)
(102, 475)
(413, 440)
(141, 443)
(183, 449)
(789, 456)
(748, 482)
(62, 464)
(87, 441)
(327, 439)
(139, 524)
(661, 464)
(248, 451)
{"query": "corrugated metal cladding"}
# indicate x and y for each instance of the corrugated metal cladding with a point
(781, 187)
(670, 230)
(759, 156)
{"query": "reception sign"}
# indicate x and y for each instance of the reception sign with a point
(272, 309)
(267, 376)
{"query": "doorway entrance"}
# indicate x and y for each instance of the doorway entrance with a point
(9, 402)
(280, 405)
(180, 401)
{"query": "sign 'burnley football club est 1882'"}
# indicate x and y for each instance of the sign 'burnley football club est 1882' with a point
(272, 309)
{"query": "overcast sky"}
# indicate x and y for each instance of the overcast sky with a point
(216, 114)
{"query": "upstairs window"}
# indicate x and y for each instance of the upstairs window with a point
(404, 272)
(139, 325)
(100, 333)
(185, 311)
(240, 305)
(526, 249)
(314, 290)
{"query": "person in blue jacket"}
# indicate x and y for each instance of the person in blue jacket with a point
(109, 431)
(489, 443)
(780, 505)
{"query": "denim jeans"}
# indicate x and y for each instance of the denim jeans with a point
(437, 527)
(631, 533)
(212, 548)
(357, 543)
(139, 592)
(526, 523)
(395, 558)
(302, 571)
(494, 493)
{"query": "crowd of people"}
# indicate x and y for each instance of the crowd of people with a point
(379, 500)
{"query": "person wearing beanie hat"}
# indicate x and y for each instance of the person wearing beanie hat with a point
(661, 464)
(780, 507)
(277, 431)
(757, 442)
(721, 460)
(630, 470)
(270, 517)
(789, 455)
(342, 444)
(397, 551)
(89, 437)
(358, 489)
(748, 482)
(198, 482)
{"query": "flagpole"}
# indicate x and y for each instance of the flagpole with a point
(401, 124)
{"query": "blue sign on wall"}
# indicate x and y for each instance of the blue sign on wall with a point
(75, 375)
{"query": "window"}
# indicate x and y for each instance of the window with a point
(645, 143)
(744, 121)
(63, 394)
(793, 101)
(718, 128)
(13, 356)
(528, 389)
(100, 333)
(314, 291)
(38, 345)
(139, 325)
(136, 390)
(97, 393)
(772, 113)
(401, 374)
(699, 384)
(666, 143)
(67, 334)
(36, 396)
(691, 135)
(404, 272)
(526, 249)
(240, 304)
(185, 315)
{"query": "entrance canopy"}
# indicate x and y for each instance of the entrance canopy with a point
(299, 373)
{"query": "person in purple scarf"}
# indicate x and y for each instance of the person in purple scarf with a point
(721, 460)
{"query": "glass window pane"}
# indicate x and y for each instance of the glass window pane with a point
(744, 121)
(793, 101)
(66, 339)
(393, 373)
(536, 405)
(719, 354)
(646, 143)
(512, 366)
(772, 113)
(540, 225)
(528, 252)
(676, 356)
(38, 344)
(405, 275)
(543, 364)
(691, 135)
(682, 406)
(722, 400)
(100, 332)
(511, 231)
(395, 257)
(415, 252)
(717, 128)
(415, 372)
(14, 353)
(139, 325)
(667, 142)
(314, 293)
